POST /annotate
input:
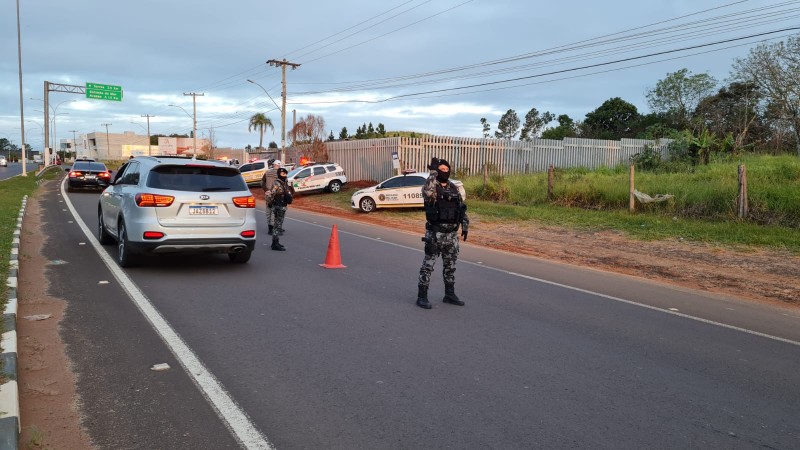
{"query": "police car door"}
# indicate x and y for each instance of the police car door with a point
(318, 178)
(390, 192)
(412, 191)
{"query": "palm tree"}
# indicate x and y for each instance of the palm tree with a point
(260, 122)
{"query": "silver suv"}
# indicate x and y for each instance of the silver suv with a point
(168, 204)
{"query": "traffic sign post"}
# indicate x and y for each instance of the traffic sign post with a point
(99, 91)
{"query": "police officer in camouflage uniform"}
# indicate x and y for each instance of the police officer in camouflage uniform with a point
(266, 183)
(445, 212)
(278, 198)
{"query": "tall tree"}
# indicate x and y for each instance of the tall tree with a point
(486, 127)
(260, 122)
(508, 127)
(309, 132)
(534, 123)
(381, 130)
(736, 111)
(775, 69)
(679, 93)
(566, 128)
(614, 119)
(343, 133)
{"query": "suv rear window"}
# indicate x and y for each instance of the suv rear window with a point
(196, 179)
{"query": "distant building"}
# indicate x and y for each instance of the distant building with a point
(182, 146)
(116, 146)
(106, 146)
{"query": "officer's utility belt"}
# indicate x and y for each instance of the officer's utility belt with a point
(444, 227)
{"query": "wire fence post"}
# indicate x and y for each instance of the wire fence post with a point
(631, 197)
(550, 194)
(741, 203)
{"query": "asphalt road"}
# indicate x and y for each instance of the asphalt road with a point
(543, 355)
(12, 170)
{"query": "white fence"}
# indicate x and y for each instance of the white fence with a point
(371, 159)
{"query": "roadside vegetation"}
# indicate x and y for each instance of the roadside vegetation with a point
(702, 209)
(12, 191)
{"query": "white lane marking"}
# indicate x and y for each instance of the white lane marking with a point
(231, 414)
(573, 288)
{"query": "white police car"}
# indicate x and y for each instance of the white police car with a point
(402, 191)
(317, 177)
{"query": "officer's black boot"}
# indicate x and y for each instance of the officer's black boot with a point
(270, 229)
(450, 295)
(276, 245)
(422, 298)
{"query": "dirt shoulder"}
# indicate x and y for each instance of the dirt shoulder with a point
(771, 276)
(49, 411)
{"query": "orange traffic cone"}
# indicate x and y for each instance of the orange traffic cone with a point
(333, 260)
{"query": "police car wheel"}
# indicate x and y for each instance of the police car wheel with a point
(335, 186)
(366, 204)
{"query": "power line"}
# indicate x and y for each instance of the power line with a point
(627, 41)
(574, 68)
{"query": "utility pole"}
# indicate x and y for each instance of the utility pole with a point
(149, 145)
(46, 112)
(194, 120)
(74, 143)
(283, 63)
(108, 144)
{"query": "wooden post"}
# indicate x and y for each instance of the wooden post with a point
(742, 206)
(485, 165)
(550, 194)
(631, 197)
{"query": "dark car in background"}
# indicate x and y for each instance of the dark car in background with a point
(88, 175)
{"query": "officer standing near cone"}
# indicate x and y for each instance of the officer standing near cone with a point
(445, 212)
(278, 198)
(266, 183)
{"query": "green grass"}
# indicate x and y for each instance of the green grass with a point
(703, 209)
(11, 193)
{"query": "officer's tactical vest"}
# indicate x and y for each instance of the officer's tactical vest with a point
(448, 204)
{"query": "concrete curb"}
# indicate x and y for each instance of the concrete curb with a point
(9, 391)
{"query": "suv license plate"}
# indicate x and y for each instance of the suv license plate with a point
(203, 211)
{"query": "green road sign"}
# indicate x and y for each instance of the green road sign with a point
(104, 92)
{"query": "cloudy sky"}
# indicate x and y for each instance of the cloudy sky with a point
(433, 66)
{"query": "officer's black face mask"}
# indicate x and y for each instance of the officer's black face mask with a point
(442, 176)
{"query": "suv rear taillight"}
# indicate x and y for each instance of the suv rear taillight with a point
(245, 202)
(147, 200)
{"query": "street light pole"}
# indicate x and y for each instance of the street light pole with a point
(74, 143)
(108, 143)
(149, 145)
(283, 156)
(40, 126)
(194, 120)
(21, 106)
(194, 132)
